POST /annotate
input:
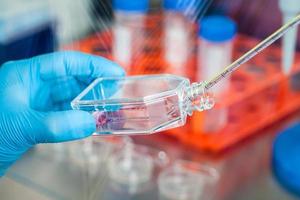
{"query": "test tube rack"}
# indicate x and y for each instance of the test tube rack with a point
(259, 94)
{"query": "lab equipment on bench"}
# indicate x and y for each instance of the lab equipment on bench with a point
(187, 180)
(132, 170)
(153, 103)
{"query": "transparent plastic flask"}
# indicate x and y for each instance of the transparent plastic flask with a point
(142, 104)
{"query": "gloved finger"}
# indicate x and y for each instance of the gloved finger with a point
(66, 126)
(56, 92)
(42, 99)
(86, 80)
(68, 63)
(61, 106)
(65, 89)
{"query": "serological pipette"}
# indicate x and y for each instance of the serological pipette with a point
(254, 51)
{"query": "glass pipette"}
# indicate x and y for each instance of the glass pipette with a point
(250, 54)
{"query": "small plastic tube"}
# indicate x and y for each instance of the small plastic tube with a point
(128, 31)
(177, 34)
(289, 9)
(216, 34)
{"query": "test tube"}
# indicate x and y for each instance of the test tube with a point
(128, 33)
(177, 34)
(216, 34)
(289, 9)
(187, 180)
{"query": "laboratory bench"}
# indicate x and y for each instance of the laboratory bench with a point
(48, 172)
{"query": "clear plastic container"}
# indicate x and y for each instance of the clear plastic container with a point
(85, 153)
(133, 171)
(141, 104)
(187, 180)
(130, 168)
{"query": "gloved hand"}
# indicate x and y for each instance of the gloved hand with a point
(35, 97)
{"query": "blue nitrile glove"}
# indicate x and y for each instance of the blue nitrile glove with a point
(35, 97)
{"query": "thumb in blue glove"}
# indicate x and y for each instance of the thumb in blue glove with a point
(35, 97)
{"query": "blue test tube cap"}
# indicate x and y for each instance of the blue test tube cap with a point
(286, 159)
(217, 28)
(141, 6)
